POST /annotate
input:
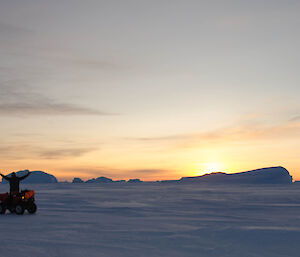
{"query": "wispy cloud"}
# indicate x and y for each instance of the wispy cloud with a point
(10, 151)
(94, 172)
(233, 134)
(46, 108)
(86, 63)
(296, 118)
(17, 99)
(64, 153)
(89, 172)
(149, 171)
(10, 30)
(16, 38)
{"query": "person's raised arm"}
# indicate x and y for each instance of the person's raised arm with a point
(25, 176)
(5, 177)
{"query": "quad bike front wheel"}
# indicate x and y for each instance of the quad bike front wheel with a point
(19, 209)
(32, 208)
(2, 208)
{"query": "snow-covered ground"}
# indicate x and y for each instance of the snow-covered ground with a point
(89, 220)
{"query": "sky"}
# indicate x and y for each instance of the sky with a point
(149, 89)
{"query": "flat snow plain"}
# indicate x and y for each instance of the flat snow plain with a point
(136, 220)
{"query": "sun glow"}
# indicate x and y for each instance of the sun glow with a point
(211, 167)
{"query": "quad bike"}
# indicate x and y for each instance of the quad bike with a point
(18, 203)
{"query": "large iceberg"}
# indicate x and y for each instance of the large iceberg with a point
(272, 175)
(36, 177)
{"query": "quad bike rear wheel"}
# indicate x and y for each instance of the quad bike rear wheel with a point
(32, 208)
(19, 209)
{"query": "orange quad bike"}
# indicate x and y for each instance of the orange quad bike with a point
(18, 203)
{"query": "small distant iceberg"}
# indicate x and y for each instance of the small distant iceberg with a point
(134, 180)
(105, 180)
(100, 180)
(77, 180)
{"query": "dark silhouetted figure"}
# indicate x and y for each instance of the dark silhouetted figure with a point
(14, 182)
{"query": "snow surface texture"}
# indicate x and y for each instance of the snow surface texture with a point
(157, 220)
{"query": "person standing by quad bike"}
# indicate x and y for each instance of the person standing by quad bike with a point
(14, 182)
(16, 201)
